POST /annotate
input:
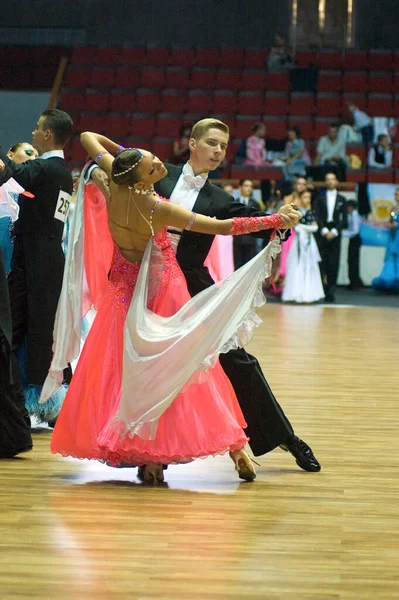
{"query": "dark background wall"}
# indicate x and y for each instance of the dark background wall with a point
(376, 23)
(210, 23)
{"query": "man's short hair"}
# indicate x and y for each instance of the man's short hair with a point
(381, 137)
(242, 181)
(334, 125)
(330, 173)
(203, 126)
(59, 123)
(351, 203)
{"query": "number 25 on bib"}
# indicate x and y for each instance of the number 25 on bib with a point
(62, 208)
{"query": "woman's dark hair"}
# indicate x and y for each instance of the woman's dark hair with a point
(296, 129)
(125, 167)
(183, 128)
(16, 146)
(59, 123)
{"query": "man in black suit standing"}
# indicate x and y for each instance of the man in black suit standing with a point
(332, 217)
(188, 186)
(245, 247)
(37, 265)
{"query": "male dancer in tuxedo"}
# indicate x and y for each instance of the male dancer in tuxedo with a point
(188, 186)
(38, 260)
(332, 217)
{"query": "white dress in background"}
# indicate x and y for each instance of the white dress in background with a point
(303, 282)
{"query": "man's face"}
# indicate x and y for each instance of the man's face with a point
(300, 185)
(333, 133)
(384, 141)
(331, 181)
(40, 136)
(246, 188)
(209, 151)
(228, 188)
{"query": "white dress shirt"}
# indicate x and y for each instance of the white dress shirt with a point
(360, 120)
(184, 194)
(331, 200)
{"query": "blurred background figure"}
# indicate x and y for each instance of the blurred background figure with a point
(255, 152)
(388, 280)
(280, 58)
(247, 246)
(355, 243)
(380, 154)
(362, 123)
(296, 156)
(181, 151)
(303, 280)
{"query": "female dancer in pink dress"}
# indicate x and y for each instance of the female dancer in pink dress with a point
(129, 404)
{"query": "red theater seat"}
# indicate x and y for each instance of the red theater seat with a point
(143, 127)
(253, 81)
(102, 78)
(231, 59)
(177, 79)
(153, 78)
(206, 57)
(251, 103)
(329, 81)
(181, 57)
(127, 78)
(148, 102)
(122, 102)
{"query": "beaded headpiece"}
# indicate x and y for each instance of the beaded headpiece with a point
(133, 166)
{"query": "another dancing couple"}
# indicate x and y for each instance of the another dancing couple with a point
(148, 389)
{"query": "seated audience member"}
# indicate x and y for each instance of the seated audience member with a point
(248, 246)
(296, 157)
(181, 151)
(331, 154)
(380, 154)
(362, 123)
(355, 242)
(255, 152)
(279, 58)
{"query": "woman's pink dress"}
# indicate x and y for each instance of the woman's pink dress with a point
(285, 250)
(204, 419)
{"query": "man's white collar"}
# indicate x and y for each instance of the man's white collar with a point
(188, 170)
(52, 154)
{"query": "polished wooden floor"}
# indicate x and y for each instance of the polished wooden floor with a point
(78, 530)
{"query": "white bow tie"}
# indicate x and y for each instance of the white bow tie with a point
(197, 182)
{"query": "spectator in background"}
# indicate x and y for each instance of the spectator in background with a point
(296, 157)
(280, 58)
(228, 188)
(332, 217)
(362, 123)
(303, 281)
(247, 247)
(380, 154)
(355, 242)
(331, 154)
(181, 151)
(255, 151)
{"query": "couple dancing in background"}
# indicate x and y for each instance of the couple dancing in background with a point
(162, 396)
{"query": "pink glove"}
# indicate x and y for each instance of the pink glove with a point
(245, 225)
